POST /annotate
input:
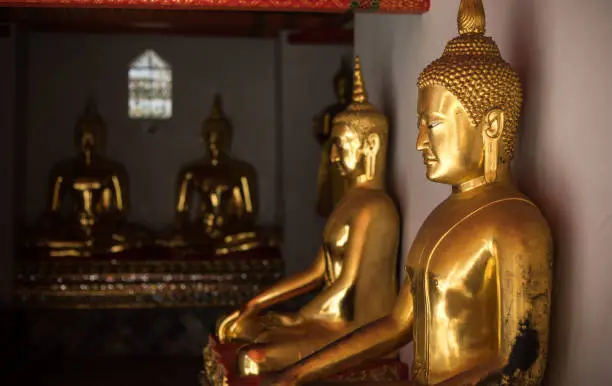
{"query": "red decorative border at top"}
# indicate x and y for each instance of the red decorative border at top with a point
(383, 6)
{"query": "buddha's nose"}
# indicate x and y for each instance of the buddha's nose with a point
(422, 142)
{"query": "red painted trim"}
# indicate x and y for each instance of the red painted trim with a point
(323, 36)
(386, 6)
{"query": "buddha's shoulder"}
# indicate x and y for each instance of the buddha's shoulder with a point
(107, 163)
(193, 167)
(76, 166)
(242, 167)
(514, 206)
(64, 166)
(240, 163)
(515, 217)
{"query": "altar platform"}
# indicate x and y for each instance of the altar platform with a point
(146, 279)
(147, 306)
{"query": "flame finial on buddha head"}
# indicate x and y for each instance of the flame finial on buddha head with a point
(361, 115)
(216, 129)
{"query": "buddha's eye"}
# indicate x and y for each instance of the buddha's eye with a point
(431, 125)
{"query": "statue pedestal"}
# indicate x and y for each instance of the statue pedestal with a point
(220, 369)
(133, 305)
(146, 279)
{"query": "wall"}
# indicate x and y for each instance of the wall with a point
(306, 88)
(562, 51)
(8, 95)
(65, 68)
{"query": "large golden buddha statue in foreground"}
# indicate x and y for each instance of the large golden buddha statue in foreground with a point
(216, 203)
(88, 200)
(331, 184)
(354, 271)
(476, 299)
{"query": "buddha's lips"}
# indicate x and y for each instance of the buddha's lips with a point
(429, 159)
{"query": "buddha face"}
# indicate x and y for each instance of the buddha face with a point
(212, 137)
(215, 141)
(88, 141)
(346, 151)
(452, 146)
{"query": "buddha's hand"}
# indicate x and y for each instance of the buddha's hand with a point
(240, 325)
(225, 326)
(246, 327)
(274, 319)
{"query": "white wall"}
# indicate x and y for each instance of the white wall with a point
(7, 140)
(306, 88)
(64, 68)
(563, 52)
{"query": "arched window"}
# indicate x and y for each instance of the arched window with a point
(150, 87)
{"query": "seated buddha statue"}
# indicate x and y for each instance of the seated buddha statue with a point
(331, 185)
(476, 299)
(353, 276)
(88, 200)
(216, 205)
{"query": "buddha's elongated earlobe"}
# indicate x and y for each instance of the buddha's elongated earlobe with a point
(371, 148)
(493, 126)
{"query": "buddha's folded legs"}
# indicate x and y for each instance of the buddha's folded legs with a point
(259, 358)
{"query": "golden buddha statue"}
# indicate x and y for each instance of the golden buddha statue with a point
(354, 269)
(476, 299)
(331, 185)
(88, 200)
(224, 216)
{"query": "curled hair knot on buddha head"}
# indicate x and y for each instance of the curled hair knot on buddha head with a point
(473, 70)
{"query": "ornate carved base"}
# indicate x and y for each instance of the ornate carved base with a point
(220, 369)
(153, 280)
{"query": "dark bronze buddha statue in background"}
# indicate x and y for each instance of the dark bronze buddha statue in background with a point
(331, 185)
(88, 200)
(217, 202)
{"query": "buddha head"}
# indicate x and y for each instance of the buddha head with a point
(359, 135)
(468, 106)
(216, 130)
(90, 129)
(342, 82)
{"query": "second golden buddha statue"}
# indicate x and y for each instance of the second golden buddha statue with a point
(476, 299)
(223, 220)
(331, 184)
(353, 273)
(88, 200)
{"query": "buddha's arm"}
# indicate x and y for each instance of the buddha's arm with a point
(183, 197)
(327, 123)
(520, 262)
(57, 192)
(295, 285)
(323, 191)
(248, 190)
(362, 241)
(121, 195)
(321, 127)
(371, 341)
